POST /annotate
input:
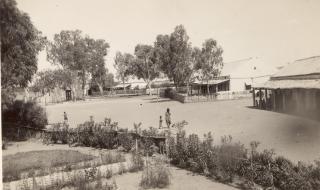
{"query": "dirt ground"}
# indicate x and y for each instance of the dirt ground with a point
(293, 137)
(181, 180)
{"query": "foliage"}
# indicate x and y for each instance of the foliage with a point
(82, 54)
(20, 44)
(155, 175)
(14, 166)
(173, 54)
(228, 159)
(122, 65)
(210, 62)
(144, 64)
(46, 81)
(137, 162)
(126, 141)
(23, 114)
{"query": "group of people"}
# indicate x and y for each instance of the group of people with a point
(167, 118)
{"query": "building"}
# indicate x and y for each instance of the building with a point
(218, 84)
(246, 72)
(293, 89)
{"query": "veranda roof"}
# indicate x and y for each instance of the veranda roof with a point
(211, 82)
(310, 65)
(290, 84)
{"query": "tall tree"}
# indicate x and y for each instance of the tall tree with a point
(122, 64)
(211, 61)
(97, 49)
(20, 44)
(191, 71)
(74, 52)
(144, 65)
(173, 54)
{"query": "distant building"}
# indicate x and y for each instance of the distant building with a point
(294, 89)
(246, 72)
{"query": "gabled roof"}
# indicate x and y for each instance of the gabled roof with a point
(305, 66)
(248, 68)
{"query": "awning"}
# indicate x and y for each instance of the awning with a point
(122, 85)
(290, 84)
(211, 82)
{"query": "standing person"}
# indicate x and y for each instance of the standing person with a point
(168, 118)
(65, 117)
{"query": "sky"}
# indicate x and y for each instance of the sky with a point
(275, 31)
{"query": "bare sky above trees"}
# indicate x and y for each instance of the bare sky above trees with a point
(275, 31)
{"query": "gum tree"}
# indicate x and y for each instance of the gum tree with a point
(144, 64)
(122, 65)
(74, 52)
(20, 44)
(211, 61)
(173, 55)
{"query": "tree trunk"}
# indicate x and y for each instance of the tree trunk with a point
(124, 89)
(149, 87)
(100, 89)
(208, 89)
(188, 88)
(83, 82)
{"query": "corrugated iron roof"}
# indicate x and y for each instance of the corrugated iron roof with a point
(290, 84)
(305, 66)
(216, 81)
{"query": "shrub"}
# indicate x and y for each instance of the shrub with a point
(22, 114)
(126, 141)
(109, 173)
(137, 162)
(111, 157)
(155, 175)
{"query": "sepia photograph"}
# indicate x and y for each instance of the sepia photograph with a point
(160, 94)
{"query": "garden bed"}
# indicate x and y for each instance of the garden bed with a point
(25, 163)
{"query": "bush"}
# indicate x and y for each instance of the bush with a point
(22, 114)
(137, 162)
(126, 141)
(155, 175)
(26, 114)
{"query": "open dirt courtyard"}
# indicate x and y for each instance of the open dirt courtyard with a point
(293, 137)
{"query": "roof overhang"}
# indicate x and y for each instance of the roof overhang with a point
(289, 84)
(210, 82)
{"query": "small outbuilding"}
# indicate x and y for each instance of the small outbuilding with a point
(293, 89)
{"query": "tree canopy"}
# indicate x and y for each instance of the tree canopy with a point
(20, 44)
(45, 81)
(173, 55)
(122, 63)
(83, 54)
(144, 65)
(211, 61)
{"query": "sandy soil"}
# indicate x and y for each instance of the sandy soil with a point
(181, 180)
(293, 137)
